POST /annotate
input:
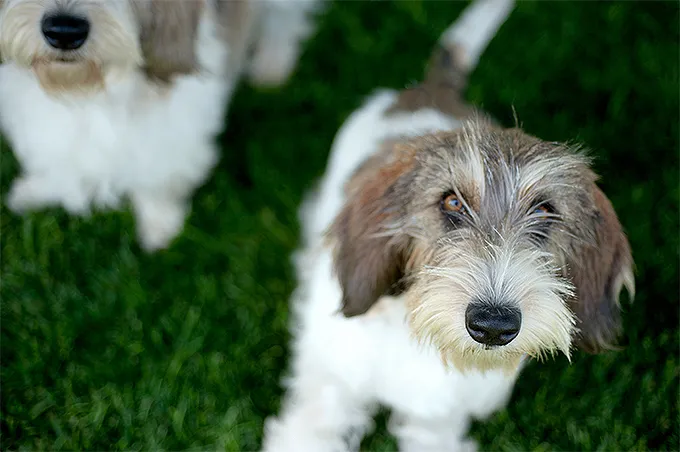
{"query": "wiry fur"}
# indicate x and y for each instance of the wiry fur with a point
(386, 274)
(499, 253)
(133, 113)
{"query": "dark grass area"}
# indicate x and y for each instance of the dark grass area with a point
(106, 348)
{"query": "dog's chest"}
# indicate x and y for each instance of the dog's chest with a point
(387, 364)
(119, 137)
(411, 377)
(74, 129)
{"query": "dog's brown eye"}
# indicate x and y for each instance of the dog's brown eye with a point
(451, 203)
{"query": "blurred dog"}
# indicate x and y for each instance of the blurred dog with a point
(455, 250)
(109, 99)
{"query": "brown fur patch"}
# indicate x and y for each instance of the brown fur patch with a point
(441, 90)
(168, 36)
(370, 262)
(55, 77)
(598, 275)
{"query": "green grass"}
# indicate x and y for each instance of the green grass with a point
(105, 348)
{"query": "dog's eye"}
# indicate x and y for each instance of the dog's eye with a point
(543, 209)
(451, 203)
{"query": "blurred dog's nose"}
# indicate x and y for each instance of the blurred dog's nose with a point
(491, 325)
(65, 32)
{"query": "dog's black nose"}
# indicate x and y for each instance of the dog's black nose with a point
(65, 32)
(490, 325)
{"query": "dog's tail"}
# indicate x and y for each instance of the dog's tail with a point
(461, 45)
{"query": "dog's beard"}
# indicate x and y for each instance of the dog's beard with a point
(440, 294)
(113, 45)
(55, 76)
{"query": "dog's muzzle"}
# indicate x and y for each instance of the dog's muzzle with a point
(491, 325)
(64, 31)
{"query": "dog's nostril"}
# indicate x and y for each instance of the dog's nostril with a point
(65, 32)
(490, 325)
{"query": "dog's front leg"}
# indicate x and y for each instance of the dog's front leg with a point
(319, 417)
(160, 218)
(444, 434)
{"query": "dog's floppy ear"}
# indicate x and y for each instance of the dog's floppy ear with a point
(369, 256)
(168, 32)
(599, 273)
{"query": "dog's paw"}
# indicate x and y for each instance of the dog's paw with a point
(156, 234)
(22, 196)
(469, 445)
(31, 193)
(271, 426)
(158, 222)
(451, 446)
(272, 63)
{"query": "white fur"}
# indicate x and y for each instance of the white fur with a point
(131, 140)
(342, 368)
(284, 24)
(477, 25)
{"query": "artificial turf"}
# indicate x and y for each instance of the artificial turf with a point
(104, 347)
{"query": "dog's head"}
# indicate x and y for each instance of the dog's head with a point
(74, 44)
(501, 243)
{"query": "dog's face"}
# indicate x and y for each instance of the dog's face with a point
(74, 44)
(502, 245)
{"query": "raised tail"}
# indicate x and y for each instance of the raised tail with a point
(461, 45)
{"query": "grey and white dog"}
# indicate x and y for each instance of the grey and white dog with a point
(439, 252)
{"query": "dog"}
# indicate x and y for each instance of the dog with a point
(439, 253)
(106, 100)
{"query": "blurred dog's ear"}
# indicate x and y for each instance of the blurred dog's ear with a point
(168, 32)
(370, 257)
(599, 272)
